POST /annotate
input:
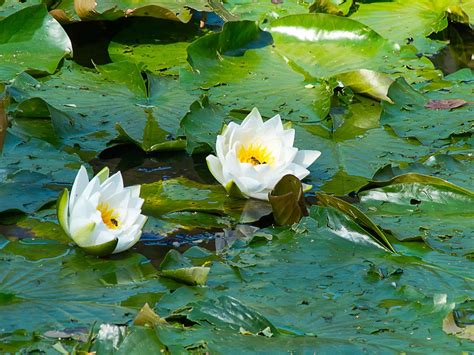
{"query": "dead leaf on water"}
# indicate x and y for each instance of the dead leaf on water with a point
(445, 104)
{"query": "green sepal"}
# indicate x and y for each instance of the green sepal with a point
(81, 237)
(233, 190)
(102, 249)
(103, 174)
(62, 210)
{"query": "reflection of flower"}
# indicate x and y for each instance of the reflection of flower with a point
(255, 155)
(101, 215)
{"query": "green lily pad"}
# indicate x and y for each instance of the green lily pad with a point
(402, 20)
(363, 223)
(325, 45)
(114, 9)
(181, 194)
(230, 69)
(87, 105)
(83, 289)
(202, 125)
(32, 172)
(179, 268)
(410, 115)
(259, 11)
(38, 48)
(414, 206)
(159, 45)
(344, 165)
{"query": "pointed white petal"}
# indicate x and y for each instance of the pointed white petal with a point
(306, 157)
(298, 171)
(112, 185)
(253, 120)
(79, 185)
(133, 235)
(273, 125)
(215, 167)
(134, 190)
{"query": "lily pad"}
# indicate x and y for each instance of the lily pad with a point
(159, 45)
(32, 173)
(431, 208)
(38, 47)
(86, 105)
(409, 116)
(229, 70)
(404, 20)
(70, 10)
(80, 286)
(325, 45)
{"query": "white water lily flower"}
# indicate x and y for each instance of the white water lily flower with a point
(101, 215)
(255, 155)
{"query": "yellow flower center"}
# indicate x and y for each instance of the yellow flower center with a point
(109, 216)
(255, 154)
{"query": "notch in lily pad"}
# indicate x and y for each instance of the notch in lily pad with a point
(287, 200)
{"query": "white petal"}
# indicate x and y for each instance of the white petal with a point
(288, 137)
(306, 157)
(79, 185)
(215, 167)
(132, 237)
(248, 186)
(253, 120)
(134, 190)
(112, 185)
(136, 203)
(274, 124)
(298, 171)
(220, 147)
(92, 187)
(261, 195)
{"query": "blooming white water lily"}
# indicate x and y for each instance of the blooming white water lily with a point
(101, 215)
(255, 155)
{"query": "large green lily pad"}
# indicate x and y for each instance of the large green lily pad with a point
(70, 10)
(38, 47)
(230, 69)
(32, 173)
(83, 288)
(86, 106)
(323, 45)
(405, 21)
(412, 116)
(415, 206)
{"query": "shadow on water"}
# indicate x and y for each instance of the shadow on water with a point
(459, 53)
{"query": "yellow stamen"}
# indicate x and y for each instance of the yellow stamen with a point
(109, 216)
(255, 154)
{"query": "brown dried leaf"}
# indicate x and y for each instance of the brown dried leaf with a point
(450, 327)
(85, 9)
(445, 104)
